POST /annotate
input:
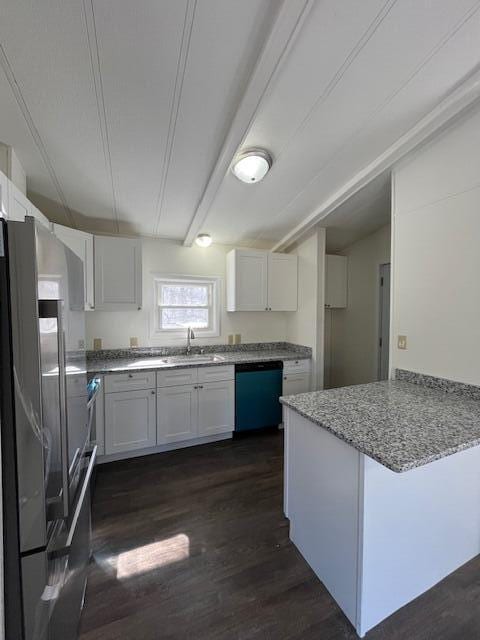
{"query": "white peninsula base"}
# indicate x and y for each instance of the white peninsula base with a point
(377, 539)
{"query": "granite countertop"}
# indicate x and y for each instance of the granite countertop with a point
(400, 424)
(149, 362)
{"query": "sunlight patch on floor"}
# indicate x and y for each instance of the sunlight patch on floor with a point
(152, 556)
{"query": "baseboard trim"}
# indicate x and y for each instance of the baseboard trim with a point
(162, 448)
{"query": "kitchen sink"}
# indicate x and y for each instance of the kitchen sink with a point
(198, 358)
(194, 358)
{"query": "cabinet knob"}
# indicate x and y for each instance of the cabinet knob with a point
(153, 393)
(266, 308)
(130, 375)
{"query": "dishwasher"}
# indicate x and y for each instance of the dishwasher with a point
(258, 387)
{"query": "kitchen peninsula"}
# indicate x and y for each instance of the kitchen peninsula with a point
(377, 479)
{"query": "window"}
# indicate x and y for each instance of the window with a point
(186, 301)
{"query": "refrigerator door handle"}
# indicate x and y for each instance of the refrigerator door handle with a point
(54, 309)
(63, 551)
(62, 369)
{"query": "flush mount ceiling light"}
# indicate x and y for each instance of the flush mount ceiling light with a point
(252, 165)
(203, 240)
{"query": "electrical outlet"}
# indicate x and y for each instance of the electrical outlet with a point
(230, 338)
(238, 338)
(134, 342)
(402, 342)
(97, 344)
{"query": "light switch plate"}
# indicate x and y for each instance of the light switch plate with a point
(238, 338)
(134, 342)
(97, 344)
(230, 338)
(402, 342)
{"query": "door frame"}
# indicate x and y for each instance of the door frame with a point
(380, 346)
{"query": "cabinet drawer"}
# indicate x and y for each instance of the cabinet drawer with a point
(296, 366)
(129, 381)
(216, 373)
(176, 377)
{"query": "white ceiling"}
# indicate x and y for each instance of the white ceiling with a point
(120, 111)
(365, 212)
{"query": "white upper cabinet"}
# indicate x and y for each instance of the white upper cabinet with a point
(282, 282)
(20, 206)
(3, 195)
(335, 281)
(247, 276)
(81, 244)
(118, 273)
(261, 281)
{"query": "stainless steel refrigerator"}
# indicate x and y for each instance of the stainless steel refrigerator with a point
(46, 462)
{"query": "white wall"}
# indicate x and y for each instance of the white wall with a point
(169, 257)
(305, 326)
(436, 274)
(351, 339)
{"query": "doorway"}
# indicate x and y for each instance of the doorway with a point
(384, 322)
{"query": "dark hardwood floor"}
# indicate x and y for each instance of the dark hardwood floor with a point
(193, 545)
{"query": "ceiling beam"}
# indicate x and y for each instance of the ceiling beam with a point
(288, 23)
(445, 113)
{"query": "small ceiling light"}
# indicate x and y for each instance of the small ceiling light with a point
(252, 165)
(203, 240)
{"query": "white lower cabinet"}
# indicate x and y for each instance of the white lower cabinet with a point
(130, 420)
(294, 383)
(177, 409)
(190, 411)
(201, 406)
(216, 407)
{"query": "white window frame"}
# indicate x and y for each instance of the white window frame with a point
(174, 335)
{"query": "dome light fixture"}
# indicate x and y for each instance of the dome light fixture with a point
(203, 240)
(252, 165)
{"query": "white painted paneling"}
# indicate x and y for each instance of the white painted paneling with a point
(125, 134)
(323, 506)
(436, 258)
(54, 74)
(412, 538)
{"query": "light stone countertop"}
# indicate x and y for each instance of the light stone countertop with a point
(148, 363)
(400, 424)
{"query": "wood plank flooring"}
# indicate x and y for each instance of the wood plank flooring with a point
(193, 545)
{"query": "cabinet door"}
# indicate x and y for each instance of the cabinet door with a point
(38, 215)
(177, 409)
(216, 407)
(335, 281)
(247, 286)
(19, 205)
(130, 420)
(282, 282)
(3, 195)
(81, 244)
(118, 273)
(294, 383)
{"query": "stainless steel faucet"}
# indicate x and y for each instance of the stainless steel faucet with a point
(190, 337)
